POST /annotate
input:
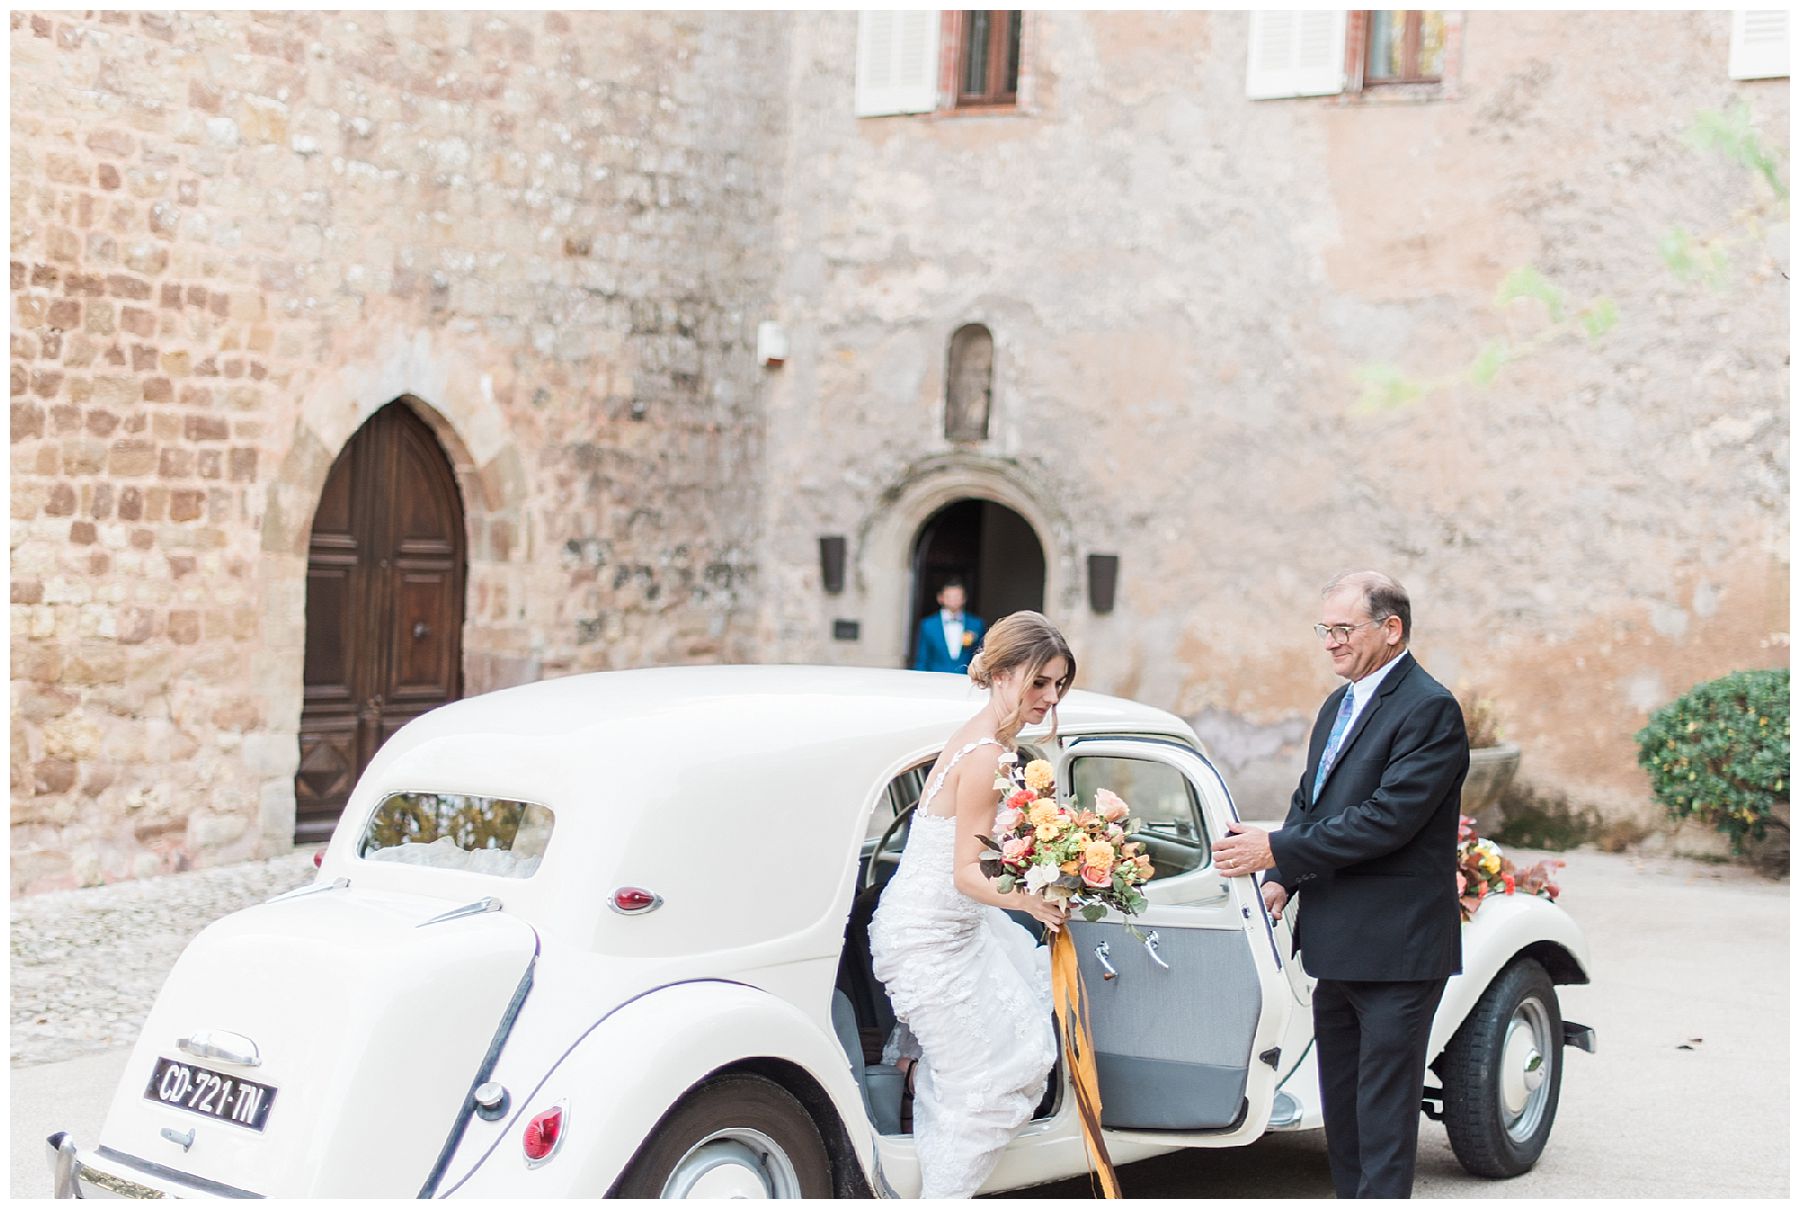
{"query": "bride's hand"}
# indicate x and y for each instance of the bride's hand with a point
(1051, 915)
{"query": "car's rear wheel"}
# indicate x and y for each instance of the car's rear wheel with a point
(1502, 1074)
(736, 1137)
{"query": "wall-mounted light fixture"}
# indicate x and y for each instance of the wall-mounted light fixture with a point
(771, 343)
(1103, 581)
(831, 564)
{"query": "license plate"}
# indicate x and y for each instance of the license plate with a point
(210, 1094)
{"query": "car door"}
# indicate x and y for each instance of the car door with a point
(1188, 1014)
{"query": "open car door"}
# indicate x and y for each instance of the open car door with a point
(1188, 1019)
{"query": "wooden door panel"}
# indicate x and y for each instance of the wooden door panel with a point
(424, 608)
(330, 609)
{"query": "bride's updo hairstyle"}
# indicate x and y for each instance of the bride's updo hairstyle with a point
(1028, 642)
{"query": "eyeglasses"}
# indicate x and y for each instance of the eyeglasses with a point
(1341, 633)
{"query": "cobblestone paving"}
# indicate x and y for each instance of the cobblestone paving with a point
(86, 964)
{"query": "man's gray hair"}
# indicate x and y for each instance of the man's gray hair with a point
(1382, 596)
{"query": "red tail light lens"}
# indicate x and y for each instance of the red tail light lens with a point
(542, 1133)
(632, 899)
(319, 858)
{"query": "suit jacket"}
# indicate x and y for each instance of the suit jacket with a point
(1374, 858)
(933, 654)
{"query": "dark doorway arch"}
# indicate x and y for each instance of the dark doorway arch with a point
(990, 548)
(384, 606)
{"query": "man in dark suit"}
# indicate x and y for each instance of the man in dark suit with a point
(948, 638)
(1370, 845)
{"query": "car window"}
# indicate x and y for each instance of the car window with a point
(1172, 830)
(497, 836)
(902, 793)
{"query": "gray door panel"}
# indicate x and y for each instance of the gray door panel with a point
(1172, 1045)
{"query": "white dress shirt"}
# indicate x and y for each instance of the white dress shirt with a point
(1363, 691)
(953, 631)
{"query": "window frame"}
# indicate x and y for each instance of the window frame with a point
(1000, 33)
(1409, 49)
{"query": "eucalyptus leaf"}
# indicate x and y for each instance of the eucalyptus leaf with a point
(1093, 912)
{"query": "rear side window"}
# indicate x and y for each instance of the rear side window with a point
(497, 836)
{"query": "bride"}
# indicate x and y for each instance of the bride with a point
(969, 987)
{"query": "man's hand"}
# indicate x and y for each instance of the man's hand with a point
(1275, 898)
(1243, 852)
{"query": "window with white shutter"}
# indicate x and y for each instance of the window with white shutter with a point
(896, 62)
(1295, 53)
(1759, 44)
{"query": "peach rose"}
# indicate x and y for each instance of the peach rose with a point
(1096, 878)
(1111, 806)
(1016, 852)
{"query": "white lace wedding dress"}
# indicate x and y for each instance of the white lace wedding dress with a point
(971, 990)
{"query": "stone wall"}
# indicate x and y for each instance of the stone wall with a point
(237, 235)
(1183, 284)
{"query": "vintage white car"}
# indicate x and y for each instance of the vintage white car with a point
(607, 935)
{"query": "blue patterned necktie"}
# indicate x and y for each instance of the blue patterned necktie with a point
(1336, 739)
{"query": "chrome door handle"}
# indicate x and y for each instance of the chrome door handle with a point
(1150, 943)
(226, 1047)
(1101, 952)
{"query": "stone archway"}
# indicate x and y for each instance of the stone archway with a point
(887, 539)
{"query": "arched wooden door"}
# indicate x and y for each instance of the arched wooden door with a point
(384, 607)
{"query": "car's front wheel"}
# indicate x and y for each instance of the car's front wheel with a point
(736, 1137)
(1502, 1074)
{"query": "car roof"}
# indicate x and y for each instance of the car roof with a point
(820, 695)
(694, 779)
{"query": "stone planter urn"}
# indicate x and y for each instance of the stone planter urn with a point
(1490, 772)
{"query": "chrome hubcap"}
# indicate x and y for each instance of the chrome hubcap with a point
(738, 1164)
(1525, 1060)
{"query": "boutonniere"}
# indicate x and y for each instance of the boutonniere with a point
(968, 638)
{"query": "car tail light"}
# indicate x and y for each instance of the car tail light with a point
(634, 900)
(542, 1133)
(319, 859)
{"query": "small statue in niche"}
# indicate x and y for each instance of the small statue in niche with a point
(969, 384)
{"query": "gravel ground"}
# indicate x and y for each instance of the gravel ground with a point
(132, 932)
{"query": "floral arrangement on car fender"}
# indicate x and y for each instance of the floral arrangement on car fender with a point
(1061, 851)
(1482, 870)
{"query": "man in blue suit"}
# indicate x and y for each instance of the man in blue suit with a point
(948, 639)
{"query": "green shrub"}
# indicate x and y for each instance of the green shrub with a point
(1720, 753)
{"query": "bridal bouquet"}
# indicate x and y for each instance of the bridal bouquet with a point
(1061, 851)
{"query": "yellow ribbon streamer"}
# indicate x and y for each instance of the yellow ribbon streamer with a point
(1070, 1002)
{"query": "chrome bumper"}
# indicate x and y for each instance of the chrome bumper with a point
(73, 1178)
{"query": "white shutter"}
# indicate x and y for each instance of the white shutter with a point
(1759, 44)
(1295, 53)
(896, 62)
